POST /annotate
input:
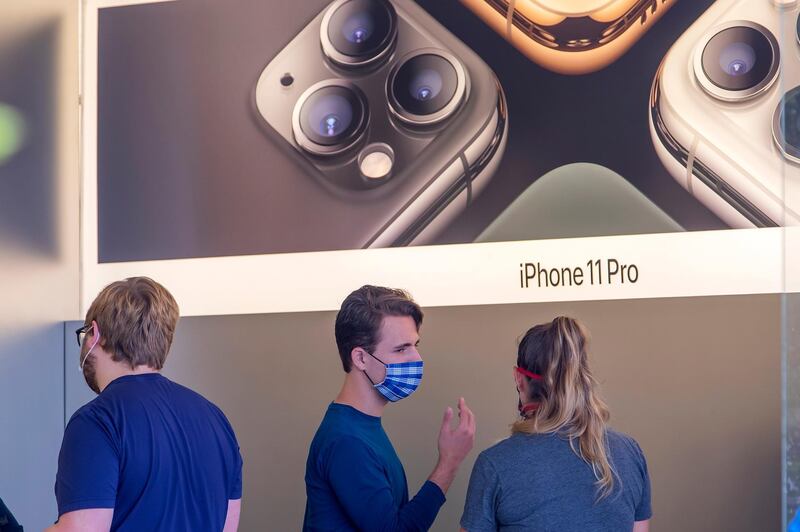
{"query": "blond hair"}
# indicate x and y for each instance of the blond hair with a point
(137, 319)
(569, 402)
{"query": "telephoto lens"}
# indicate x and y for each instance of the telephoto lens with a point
(358, 33)
(426, 87)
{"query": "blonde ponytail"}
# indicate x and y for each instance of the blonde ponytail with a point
(568, 394)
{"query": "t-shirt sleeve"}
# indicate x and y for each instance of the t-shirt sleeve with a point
(644, 510)
(235, 492)
(88, 466)
(480, 507)
(235, 478)
(361, 486)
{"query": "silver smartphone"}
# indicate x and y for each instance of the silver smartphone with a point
(724, 111)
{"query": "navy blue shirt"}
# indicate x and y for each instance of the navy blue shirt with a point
(537, 482)
(7, 521)
(162, 456)
(355, 481)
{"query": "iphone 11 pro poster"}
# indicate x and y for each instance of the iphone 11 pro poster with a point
(250, 136)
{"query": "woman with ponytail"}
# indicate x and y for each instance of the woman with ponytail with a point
(562, 469)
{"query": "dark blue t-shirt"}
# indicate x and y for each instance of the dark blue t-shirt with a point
(7, 521)
(161, 455)
(355, 481)
(537, 482)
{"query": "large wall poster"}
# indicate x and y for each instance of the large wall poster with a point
(251, 129)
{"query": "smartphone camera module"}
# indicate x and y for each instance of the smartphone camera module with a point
(330, 117)
(426, 87)
(357, 33)
(786, 125)
(738, 61)
(349, 145)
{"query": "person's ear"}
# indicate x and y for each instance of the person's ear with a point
(359, 358)
(520, 380)
(96, 337)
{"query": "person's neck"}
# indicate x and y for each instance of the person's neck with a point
(116, 371)
(359, 393)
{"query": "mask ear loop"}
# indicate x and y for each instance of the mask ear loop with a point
(96, 339)
(367, 374)
(528, 408)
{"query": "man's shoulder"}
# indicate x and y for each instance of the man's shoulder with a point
(189, 393)
(197, 402)
(340, 450)
(95, 411)
(336, 434)
(130, 400)
(140, 389)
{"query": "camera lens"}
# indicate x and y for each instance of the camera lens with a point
(358, 32)
(358, 28)
(738, 61)
(426, 84)
(786, 124)
(426, 87)
(330, 117)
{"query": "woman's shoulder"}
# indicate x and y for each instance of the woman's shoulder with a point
(511, 447)
(617, 436)
(621, 442)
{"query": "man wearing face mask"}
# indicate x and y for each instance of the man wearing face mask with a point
(354, 479)
(146, 453)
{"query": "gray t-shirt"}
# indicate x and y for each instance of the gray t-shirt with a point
(537, 482)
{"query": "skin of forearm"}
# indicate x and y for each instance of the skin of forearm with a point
(443, 474)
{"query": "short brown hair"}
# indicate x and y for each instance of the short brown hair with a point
(137, 319)
(361, 315)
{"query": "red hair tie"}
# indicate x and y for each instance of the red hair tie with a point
(532, 375)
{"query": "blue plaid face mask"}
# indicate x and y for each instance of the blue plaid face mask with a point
(402, 379)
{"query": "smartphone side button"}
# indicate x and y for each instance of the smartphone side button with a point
(419, 207)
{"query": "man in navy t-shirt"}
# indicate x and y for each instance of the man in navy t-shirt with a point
(354, 479)
(147, 453)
